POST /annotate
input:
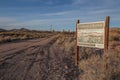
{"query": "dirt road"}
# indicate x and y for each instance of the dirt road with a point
(41, 59)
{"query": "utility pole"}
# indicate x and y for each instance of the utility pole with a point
(51, 28)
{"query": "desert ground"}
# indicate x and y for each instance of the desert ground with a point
(52, 57)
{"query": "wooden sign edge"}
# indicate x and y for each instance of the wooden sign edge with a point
(106, 39)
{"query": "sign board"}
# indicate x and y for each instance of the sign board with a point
(91, 34)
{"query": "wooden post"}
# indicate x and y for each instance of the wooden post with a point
(106, 40)
(76, 54)
(106, 35)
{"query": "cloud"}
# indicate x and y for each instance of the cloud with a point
(39, 24)
(56, 13)
(60, 19)
(6, 19)
(69, 13)
(48, 2)
(104, 3)
(26, 0)
(104, 11)
(111, 2)
(79, 2)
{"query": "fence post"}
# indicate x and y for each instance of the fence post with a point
(106, 35)
(77, 47)
(106, 41)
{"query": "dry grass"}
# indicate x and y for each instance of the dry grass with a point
(93, 64)
(93, 67)
(114, 34)
(8, 36)
(113, 65)
(67, 41)
(90, 59)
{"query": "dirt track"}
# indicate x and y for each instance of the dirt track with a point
(41, 59)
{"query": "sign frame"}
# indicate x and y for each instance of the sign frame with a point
(106, 38)
(91, 34)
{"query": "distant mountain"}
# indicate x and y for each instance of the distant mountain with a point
(2, 29)
(21, 29)
(24, 29)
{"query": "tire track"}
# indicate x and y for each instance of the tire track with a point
(40, 60)
(43, 60)
(12, 64)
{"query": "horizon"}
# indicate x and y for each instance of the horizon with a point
(41, 14)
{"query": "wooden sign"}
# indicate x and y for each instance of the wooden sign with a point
(92, 34)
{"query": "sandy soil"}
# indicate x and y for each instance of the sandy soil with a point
(41, 59)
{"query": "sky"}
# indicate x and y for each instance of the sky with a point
(60, 14)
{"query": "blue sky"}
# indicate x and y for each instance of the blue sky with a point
(61, 14)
